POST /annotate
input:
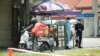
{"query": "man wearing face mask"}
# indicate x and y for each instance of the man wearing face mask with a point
(68, 33)
(79, 28)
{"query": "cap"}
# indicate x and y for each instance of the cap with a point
(68, 18)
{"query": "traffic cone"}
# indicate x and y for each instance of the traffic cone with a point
(10, 52)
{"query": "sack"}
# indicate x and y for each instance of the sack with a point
(40, 32)
(39, 29)
(46, 31)
(29, 45)
(24, 37)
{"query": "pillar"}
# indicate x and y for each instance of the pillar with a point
(94, 9)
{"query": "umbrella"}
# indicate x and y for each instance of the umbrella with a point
(50, 6)
(58, 8)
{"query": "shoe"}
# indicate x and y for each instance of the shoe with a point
(76, 45)
(67, 47)
(79, 47)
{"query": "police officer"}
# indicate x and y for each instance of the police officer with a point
(79, 28)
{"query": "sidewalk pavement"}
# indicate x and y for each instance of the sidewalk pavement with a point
(87, 43)
(90, 42)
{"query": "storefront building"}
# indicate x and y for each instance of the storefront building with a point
(14, 14)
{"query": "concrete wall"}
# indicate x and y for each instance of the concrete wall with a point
(5, 23)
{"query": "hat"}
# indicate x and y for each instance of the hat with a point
(68, 18)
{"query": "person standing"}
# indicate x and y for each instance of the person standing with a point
(56, 37)
(68, 33)
(79, 27)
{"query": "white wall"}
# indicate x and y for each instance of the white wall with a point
(88, 27)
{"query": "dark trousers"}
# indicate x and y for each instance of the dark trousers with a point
(78, 39)
(57, 41)
(35, 42)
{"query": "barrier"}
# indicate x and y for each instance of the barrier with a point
(10, 52)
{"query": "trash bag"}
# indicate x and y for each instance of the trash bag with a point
(24, 37)
(29, 45)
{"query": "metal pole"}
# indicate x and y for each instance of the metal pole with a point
(94, 9)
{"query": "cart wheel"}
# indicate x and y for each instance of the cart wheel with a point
(51, 48)
(43, 47)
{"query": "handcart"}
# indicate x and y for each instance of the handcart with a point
(43, 40)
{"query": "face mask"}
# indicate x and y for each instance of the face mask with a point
(79, 22)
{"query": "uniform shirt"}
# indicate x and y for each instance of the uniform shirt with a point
(79, 26)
